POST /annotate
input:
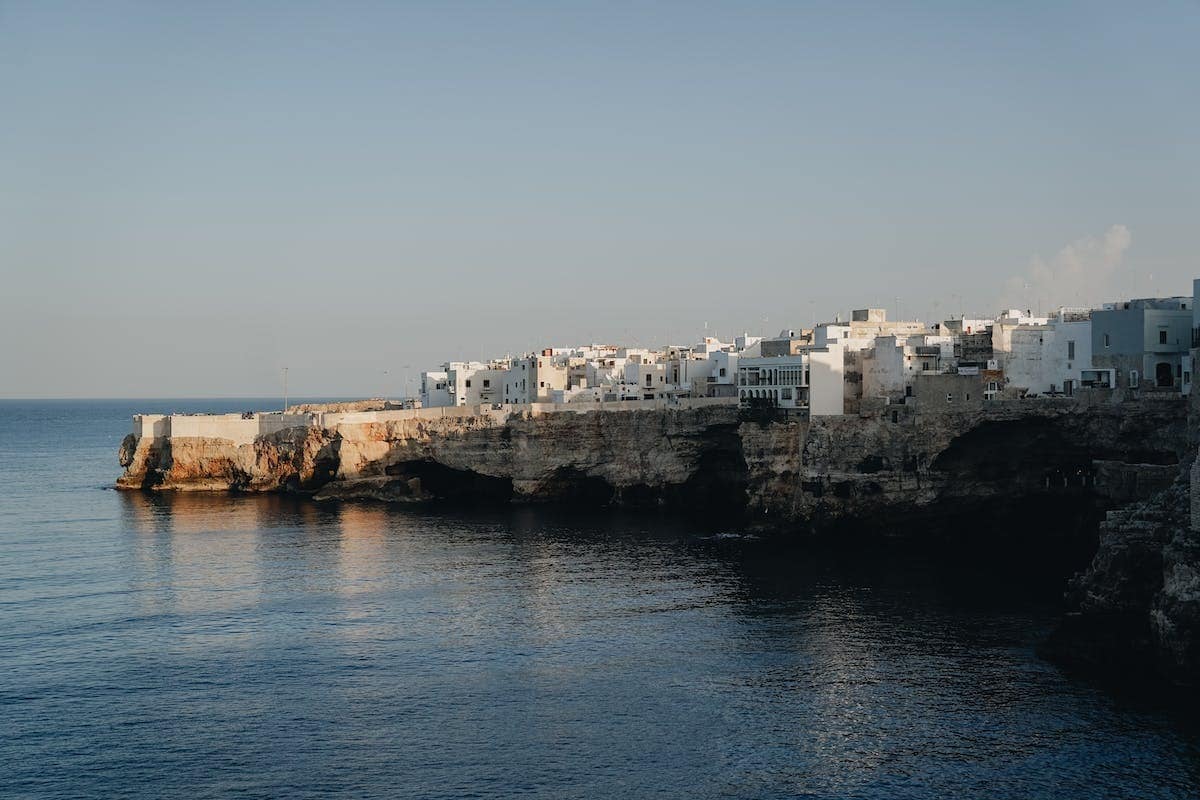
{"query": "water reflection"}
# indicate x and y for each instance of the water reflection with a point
(529, 647)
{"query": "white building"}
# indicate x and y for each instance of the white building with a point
(720, 378)
(605, 371)
(473, 383)
(1043, 358)
(1071, 354)
(812, 379)
(648, 376)
(961, 325)
(864, 326)
(1021, 351)
(1015, 316)
(535, 378)
(435, 390)
(890, 366)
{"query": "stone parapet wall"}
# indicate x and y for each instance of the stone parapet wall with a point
(235, 428)
(241, 429)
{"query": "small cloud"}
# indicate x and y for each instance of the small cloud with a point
(1084, 273)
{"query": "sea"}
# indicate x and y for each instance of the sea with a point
(211, 646)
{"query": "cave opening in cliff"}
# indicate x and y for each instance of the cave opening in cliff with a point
(440, 482)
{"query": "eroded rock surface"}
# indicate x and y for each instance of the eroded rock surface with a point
(799, 472)
(1034, 469)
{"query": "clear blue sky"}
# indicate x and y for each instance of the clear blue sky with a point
(193, 195)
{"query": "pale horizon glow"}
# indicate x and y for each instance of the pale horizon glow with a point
(194, 196)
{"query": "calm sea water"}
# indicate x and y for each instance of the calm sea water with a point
(195, 646)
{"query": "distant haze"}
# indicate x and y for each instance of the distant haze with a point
(193, 196)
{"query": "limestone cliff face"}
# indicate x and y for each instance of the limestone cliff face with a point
(784, 473)
(894, 469)
(623, 457)
(297, 459)
(1138, 602)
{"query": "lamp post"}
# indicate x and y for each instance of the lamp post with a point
(285, 392)
(407, 384)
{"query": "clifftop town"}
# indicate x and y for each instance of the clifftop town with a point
(1073, 433)
(1131, 347)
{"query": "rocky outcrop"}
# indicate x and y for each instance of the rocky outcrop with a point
(293, 460)
(634, 458)
(1175, 614)
(1137, 605)
(1136, 608)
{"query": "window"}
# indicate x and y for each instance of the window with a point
(1107, 341)
(949, 397)
(925, 366)
(992, 386)
(1070, 351)
(722, 372)
(486, 383)
(468, 383)
(1133, 379)
(968, 397)
(1162, 337)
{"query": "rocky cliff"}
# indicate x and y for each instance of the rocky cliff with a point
(1137, 605)
(1043, 472)
(788, 473)
(632, 458)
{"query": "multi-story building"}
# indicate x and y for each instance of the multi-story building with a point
(435, 390)
(891, 365)
(535, 378)
(811, 380)
(1145, 341)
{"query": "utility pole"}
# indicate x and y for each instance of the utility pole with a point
(285, 393)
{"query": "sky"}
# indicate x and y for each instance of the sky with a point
(196, 195)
